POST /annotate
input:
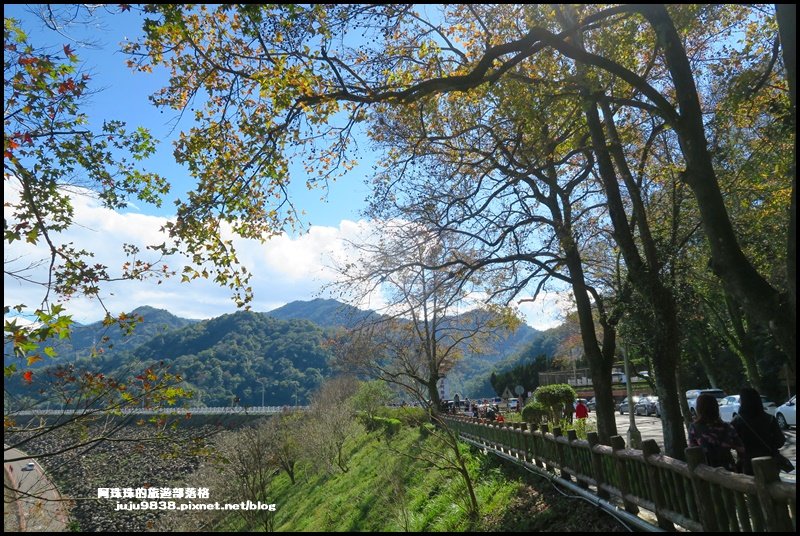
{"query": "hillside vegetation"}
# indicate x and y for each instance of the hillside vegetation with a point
(235, 359)
(388, 489)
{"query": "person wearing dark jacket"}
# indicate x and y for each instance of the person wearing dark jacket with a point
(715, 437)
(758, 430)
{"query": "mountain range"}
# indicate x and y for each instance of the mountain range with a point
(279, 356)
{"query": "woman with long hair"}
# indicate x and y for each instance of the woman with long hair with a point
(758, 430)
(715, 437)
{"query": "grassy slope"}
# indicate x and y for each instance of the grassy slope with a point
(385, 491)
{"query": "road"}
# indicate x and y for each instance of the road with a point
(38, 506)
(650, 428)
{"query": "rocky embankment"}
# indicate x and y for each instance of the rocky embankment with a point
(135, 457)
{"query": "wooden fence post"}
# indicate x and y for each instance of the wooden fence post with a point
(545, 450)
(559, 449)
(572, 454)
(702, 494)
(519, 445)
(597, 464)
(537, 442)
(527, 443)
(650, 448)
(766, 472)
(618, 444)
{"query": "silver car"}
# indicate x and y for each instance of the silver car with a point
(623, 406)
(729, 407)
(647, 405)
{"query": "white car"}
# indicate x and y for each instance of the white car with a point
(787, 414)
(729, 407)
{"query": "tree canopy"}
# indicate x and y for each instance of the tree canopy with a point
(642, 154)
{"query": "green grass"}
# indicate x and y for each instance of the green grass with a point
(387, 491)
(383, 491)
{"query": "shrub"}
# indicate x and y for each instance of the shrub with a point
(388, 425)
(534, 412)
(409, 416)
(555, 397)
(391, 426)
(426, 429)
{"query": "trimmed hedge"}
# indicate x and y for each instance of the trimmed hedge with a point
(555, 398)
(534, 412)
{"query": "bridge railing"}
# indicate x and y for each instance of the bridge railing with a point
(203, 410)
(689, 494)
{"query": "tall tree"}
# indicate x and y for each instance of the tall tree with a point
(421, 330)
(500, 177)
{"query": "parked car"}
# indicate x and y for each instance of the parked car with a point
(729, 407)
(647, 405)
(592, 404)
(787, 414)
(623, 406)
(30, 466)
(513, 404)
(692, 394)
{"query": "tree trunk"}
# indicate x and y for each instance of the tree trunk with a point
(729, 263)
(599, 366)
(647, 281)
(787, 29)
(433, 394)
(645, 278)
(743, 343)
(666, 340)
(707, 362)
(290, 471)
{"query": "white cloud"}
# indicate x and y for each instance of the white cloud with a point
(283, 269)
(549, 310)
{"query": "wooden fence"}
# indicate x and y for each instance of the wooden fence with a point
(688, 494)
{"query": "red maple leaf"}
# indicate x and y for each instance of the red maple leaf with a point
(27, 376)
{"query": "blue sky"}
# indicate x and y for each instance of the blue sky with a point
(290, 267)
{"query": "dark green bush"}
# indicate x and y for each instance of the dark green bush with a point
(534, 412)
(555, 397)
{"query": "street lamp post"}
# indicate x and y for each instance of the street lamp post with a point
(263, 382)
(634, 435)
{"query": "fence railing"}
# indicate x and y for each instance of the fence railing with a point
(689, 494)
